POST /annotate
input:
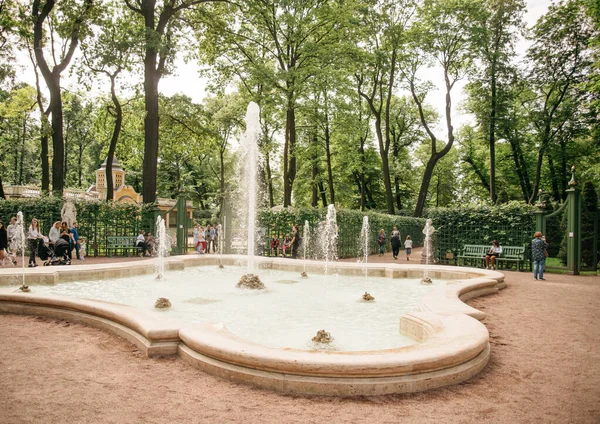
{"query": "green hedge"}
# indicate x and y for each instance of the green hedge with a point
(97, 220)
(512, 224)
(278, 223)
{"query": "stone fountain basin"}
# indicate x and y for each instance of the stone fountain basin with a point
(453, 343)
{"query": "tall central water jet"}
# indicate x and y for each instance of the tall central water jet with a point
(249, 159)
(249, 145)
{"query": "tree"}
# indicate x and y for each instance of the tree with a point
(384, 39)
(559, 60)
(109, 52)
(16, 127)
(494, 38)
(442, 31)
(162, 21)
(69, 23)
(279, 44)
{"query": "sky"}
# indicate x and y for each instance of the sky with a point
(187, 81)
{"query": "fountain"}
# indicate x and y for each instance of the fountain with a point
(221, 238)
(328, 234)
(18, 243)
(249, 193)
(305, 242)
(363, 246)
(162, 247)
(427, 254)
(259, 339)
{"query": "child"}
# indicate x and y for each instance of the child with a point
(287, 242)
(408, 247)
(201, 247)
(274, 246)
(82, 248)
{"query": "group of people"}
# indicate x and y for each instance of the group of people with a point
(146, 242)
(62, 239)
(396, 243)
(289, 244)
(206, 240)
(539, 253)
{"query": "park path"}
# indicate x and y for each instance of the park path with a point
(545, 367)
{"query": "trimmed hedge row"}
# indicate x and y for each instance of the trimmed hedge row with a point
(512, 224)
(97, 220)
(278, 223)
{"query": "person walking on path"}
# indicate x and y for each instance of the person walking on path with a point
(395, 241)
(381, 242)
(33, 235)
(408, 247)
(538, 255)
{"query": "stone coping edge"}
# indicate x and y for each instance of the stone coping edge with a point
(454, 346)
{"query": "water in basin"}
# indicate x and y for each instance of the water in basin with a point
(285, 315)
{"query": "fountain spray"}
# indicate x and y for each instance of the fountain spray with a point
(19, 243)
(305, 242)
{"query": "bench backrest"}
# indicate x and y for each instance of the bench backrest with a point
(516, 252)
(120, 241)
(474, 250)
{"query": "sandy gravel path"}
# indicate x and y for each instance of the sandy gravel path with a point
(545, 368)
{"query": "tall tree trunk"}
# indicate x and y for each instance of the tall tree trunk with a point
(151, 80)
(398, 196)
(485, 182)
(323, 196)
(435, 155)
(44, 158)
(52, 79)
(385, 165)
(492, 137)
(114, 138)
(22, 159)
(520, 166)
(269, 179)
(58, 147)
(553, 179)
(315, 174)
(2, 195)
(289, 155)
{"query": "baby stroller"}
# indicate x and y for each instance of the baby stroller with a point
(59, 255)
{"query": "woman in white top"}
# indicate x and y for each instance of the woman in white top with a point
(33, 234)
(408, 247)
(492, 254)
